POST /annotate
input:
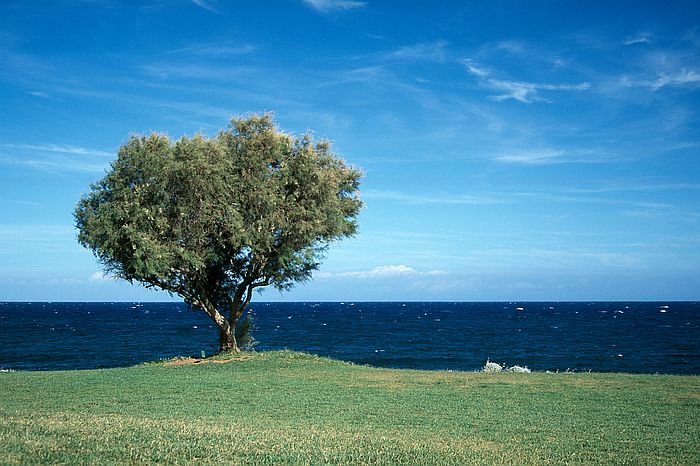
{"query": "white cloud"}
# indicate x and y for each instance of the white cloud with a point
(327, 6)
(56, 157)
(387, 271)
(642, 38)
(433, 51)
(679, 78)
(19, 238)
(474, 69)
(448, 199)
(642, 186)
(60, 148)
(216, 50)
(384, 271)
(361, 74)
(532, 157)
(58, 164)
(100, 277)
(511, 46)
(528, 92)
(39, 94)
(206, 4)
(521, 91)
(64, 281)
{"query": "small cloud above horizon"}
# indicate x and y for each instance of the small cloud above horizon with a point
(384, 271)
(101, 277)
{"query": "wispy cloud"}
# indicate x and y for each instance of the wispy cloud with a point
(60, 148)
(208, 5)
(384, 271)
(200, 71)
(41, 94)
(557, 258)
(328, 6)
(641, 38)
(446, 199)
(101, 277)
(56, 164)
(431, 51)
(680, 78)
(525, 92)
(360, 74)
(216, 50)
(647, 184)
(529, 92)
(532, 157)
(474, 69)
(56, 157)
(21, 238)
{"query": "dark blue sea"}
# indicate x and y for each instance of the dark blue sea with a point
(640, 337)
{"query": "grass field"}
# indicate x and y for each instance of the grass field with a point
(284, 407)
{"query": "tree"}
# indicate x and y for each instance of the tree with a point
(213, 219)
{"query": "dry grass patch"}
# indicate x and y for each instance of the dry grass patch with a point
(216, 359)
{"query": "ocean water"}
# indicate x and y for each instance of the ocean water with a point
(639, 337)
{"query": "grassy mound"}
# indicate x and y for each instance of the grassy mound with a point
(284, 407)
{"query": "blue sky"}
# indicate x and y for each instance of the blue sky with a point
(512, 150)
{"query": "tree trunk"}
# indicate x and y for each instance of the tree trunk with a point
(236, 311)
(227, 339)
(227, 335)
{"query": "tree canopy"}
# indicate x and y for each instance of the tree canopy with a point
(212, 219)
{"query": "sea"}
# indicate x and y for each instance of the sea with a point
(634, 337)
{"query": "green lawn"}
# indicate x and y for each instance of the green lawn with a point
(284, 407)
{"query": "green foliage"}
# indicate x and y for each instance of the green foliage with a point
(211, 219)
(244, 333)
(300, 409)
